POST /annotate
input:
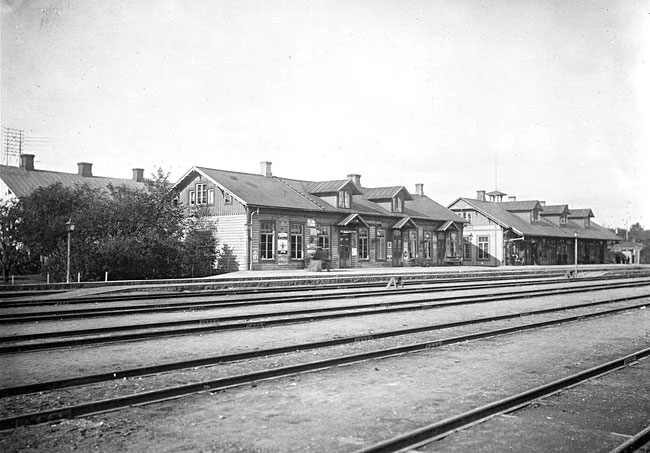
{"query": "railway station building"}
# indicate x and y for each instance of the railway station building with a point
(271, 222)
(526, 232)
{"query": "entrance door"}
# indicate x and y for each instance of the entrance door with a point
(397, 252)
(344, 250)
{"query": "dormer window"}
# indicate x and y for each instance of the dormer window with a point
(587, 223)
(563, 219)
(344, 199)
(398, 204)
(535, 215)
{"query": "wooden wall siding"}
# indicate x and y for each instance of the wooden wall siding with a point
(219, 207)
(232, 230)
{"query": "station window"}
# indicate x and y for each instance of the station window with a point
(398, 204)
(467, 216)
(412, 243)
(201, 194)
(467, 250)
(210, 196)
(363, 243)
(427, 245)
(381, 245)
(323, 241)
(267, 243)
(483, 247)
(344, 199)
(191, 197)
(296, 241)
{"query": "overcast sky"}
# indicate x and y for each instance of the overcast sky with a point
(545, 100)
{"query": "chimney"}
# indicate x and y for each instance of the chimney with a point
(138, 174)
(85, 169)
(419, 189)
(27, 162)
(356, 179)
(512, 198)
(265, 169)
(480, 195)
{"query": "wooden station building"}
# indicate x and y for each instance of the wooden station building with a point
(278, 223)
(528, 232)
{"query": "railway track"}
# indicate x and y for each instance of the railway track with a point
(248, 287)
(248, 378)
(259, 299)
(426, 434)
(46, 340)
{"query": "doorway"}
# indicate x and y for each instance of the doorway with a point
(345, 260)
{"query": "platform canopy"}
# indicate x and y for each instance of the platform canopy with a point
(352, 220)
(404, 221)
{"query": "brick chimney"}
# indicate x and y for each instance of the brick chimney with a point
(85, 169)
(27, 162)
(356, 179)
(480, 195)
(419, 189)
(265, 169)
(138, 174)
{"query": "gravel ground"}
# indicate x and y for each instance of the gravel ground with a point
(343, 408)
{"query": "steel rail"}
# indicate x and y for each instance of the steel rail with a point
(426, 434)
(262, 299)
(333, 282)
(238, 380)
(253, 321)
(371, 281)
(264, 291)
(634, 443)
(207, 305)
(228, 358)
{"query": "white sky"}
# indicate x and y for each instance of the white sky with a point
(401, 92)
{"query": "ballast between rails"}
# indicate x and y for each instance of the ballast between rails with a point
(217, 324)
(434, 431)
(120, 374)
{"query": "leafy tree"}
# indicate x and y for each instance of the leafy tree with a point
(12, 254)
(227, 260)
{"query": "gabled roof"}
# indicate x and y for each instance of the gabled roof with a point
(580, 213)
(252, 189)
(352, 218)
(23, 182)
(448, 225)
(519, 206)
(423, 206)
(324, 187)
(542, 228)
(385, 193)
(403, 222)
(554, 210)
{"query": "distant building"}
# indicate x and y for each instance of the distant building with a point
(631, 251)
(528, 232)
(18, 182)
(277, 223)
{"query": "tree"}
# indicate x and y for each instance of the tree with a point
(11, 252)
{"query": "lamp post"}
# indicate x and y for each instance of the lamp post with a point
(575, 253)
(69, 226)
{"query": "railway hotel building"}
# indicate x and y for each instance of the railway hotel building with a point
(278, 223)
(528, 232)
